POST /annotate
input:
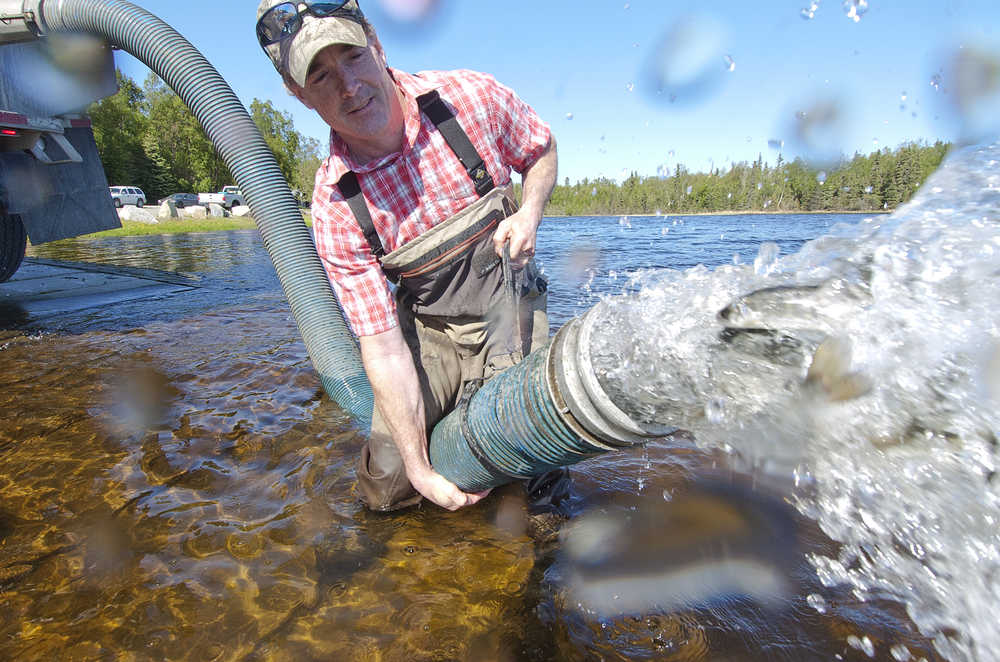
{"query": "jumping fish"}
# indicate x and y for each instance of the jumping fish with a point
(788, 308)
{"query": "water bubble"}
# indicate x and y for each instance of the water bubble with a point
(569, 116)
(821, 177)
(683, 65)
(808, 13)
(817, 602)
(855, 9)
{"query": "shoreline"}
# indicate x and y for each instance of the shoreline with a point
(175, 226)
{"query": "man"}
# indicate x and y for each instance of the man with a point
(417, 188)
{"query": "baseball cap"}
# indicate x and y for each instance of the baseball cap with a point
(295, 52)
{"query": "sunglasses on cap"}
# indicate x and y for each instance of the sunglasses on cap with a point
(284, 19)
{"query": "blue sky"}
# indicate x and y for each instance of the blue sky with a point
(602, 72)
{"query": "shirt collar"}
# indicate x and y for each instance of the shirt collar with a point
(411, 87)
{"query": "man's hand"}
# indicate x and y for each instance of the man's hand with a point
(518, 228)
(435, 487)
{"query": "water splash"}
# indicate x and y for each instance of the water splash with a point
(855, 9)
(868, 361)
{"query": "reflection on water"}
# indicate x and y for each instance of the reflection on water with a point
(175, 485)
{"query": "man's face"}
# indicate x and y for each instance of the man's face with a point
(352, 91)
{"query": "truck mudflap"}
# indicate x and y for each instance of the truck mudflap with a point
(12, 245)
(59, 198)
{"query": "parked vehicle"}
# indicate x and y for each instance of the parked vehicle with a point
(181, 199)
(127, 195)
(52, 183)
(228, 197)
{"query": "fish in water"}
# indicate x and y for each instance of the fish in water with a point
(717, 541)
(788, 308)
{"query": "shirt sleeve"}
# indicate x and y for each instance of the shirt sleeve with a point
(356, 276)
(521, 135)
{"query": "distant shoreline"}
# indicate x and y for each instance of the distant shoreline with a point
(730, 213)
(179, 226)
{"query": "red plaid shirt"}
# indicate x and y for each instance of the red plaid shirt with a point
(411, 191)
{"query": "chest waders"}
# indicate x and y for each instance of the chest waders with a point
(465, 314)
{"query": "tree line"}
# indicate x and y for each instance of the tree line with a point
(147, 137)
(881, 180)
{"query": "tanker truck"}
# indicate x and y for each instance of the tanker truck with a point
(52, 183)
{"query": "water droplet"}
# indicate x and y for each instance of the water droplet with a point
(689, 189)
(670, 153)
(593, 191)
(760, 185)
(630, 86)
(902, 97)
(819, 130)
(936, 82)
(821, 177)
(817, 602)
(715, 411)
(868, 189)
(683, 63)
(664, 231)
(775, 143)
(667, 495)
(767, 258)
(729, 196)
(569, 116)
(855, 9)
(624, 222)
(901, 653)
(808, 13)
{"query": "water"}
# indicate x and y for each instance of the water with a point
(174, 484)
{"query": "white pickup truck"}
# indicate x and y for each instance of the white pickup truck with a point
(228, 197)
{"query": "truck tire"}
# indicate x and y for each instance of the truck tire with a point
(13, 243)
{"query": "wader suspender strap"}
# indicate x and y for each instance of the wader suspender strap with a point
(453, 134)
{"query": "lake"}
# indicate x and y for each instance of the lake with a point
(175, 484)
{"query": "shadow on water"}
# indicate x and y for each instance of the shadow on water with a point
(175, 485)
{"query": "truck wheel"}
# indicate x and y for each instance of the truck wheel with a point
(13, 243)
(118, 203)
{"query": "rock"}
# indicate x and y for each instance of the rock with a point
(137, 214)
(196, 211)
(167, 210)
(240, 210)
(216, 211)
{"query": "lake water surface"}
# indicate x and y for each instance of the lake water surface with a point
(174, 484)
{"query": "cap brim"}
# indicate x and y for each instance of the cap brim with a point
(315, 35)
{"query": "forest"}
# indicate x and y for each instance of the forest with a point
(148, 138)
